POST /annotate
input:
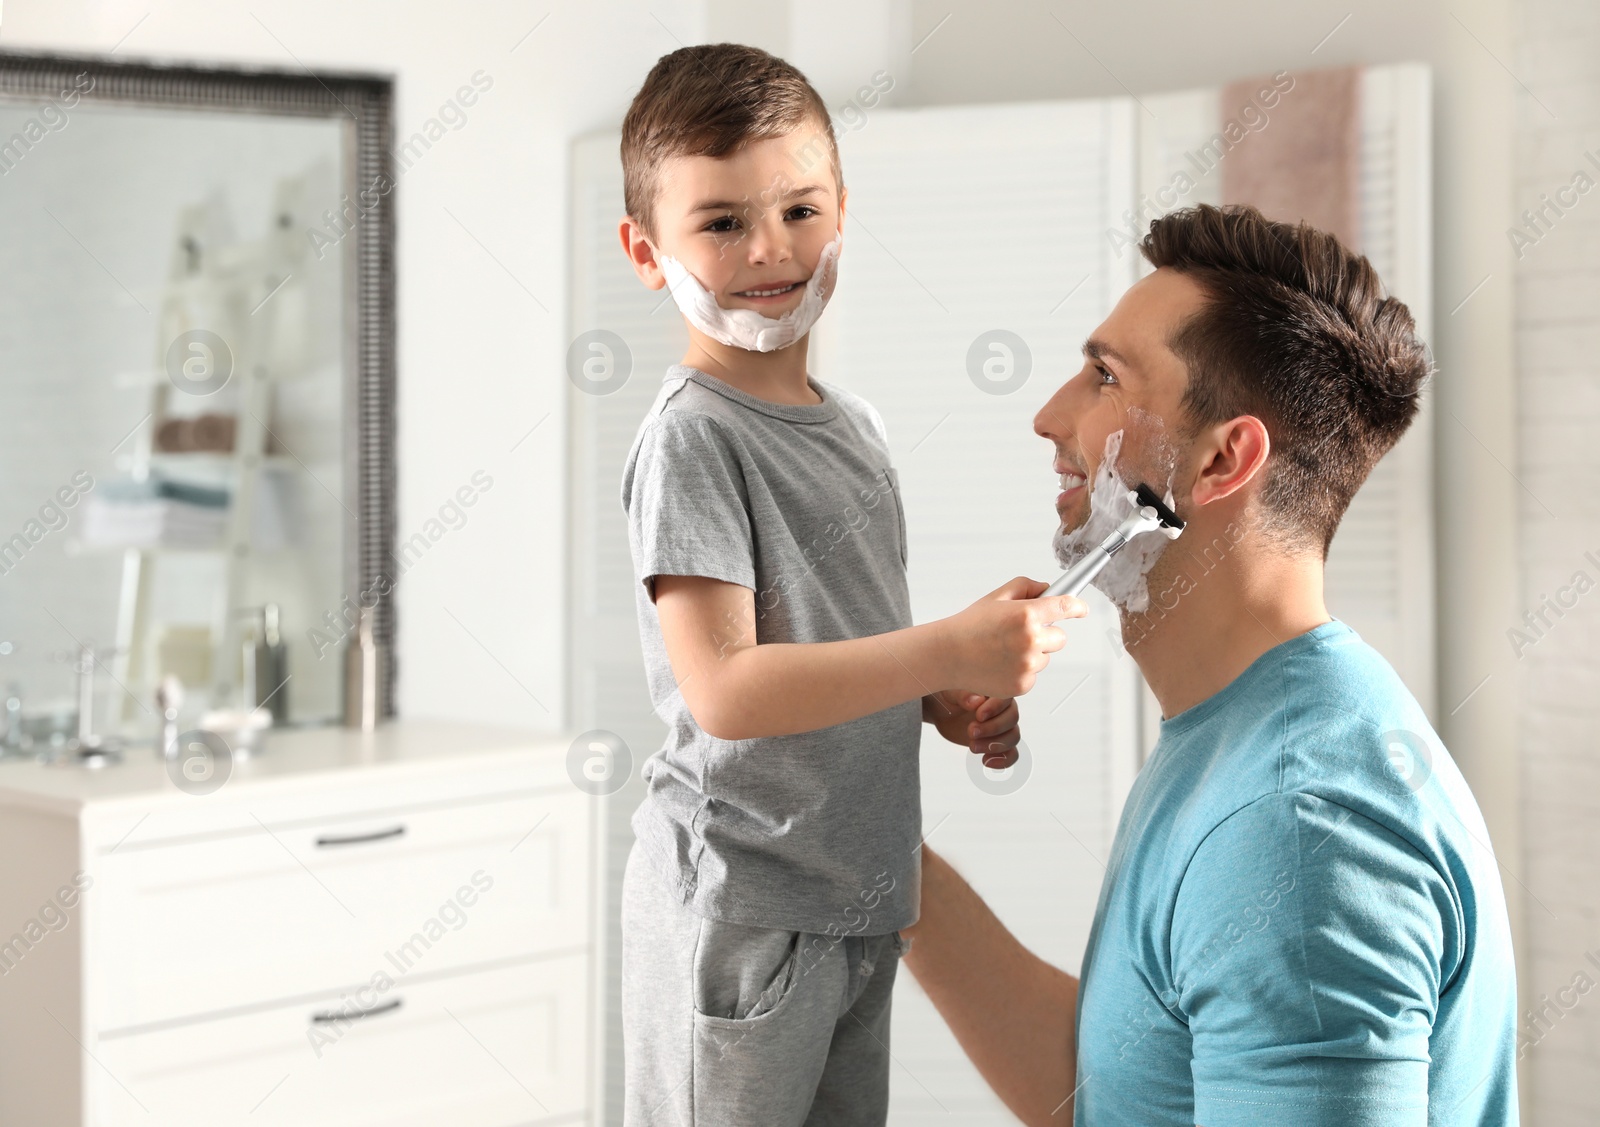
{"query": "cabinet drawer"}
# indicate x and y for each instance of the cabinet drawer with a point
(182, 930)
(484, 1049)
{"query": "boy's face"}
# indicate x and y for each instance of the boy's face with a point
(1131, 381)
(750, 226)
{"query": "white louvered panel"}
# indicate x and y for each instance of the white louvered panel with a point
(608, 682)
(938, 252)
(607, 295)
(1380, 574)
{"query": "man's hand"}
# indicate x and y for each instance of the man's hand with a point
(987, 725)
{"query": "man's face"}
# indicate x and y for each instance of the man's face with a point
(1130, 381)
(751, 226)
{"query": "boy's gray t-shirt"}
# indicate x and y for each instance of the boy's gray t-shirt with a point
(817, 831)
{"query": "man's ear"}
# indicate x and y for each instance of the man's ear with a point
(1235, 453)
(636, 245)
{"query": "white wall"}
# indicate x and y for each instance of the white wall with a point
(1558, 338)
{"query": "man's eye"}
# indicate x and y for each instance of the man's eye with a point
(1106, 378)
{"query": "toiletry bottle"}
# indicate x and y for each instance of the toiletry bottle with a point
(169, 699)
(364, 662)
(255, 662)
(275, 659)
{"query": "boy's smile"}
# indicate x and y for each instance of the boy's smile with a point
(775, 294)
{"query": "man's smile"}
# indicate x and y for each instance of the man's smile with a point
(1072, 483)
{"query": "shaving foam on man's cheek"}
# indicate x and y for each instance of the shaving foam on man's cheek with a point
(1122, 580)
(1147, 435)
(747, 328)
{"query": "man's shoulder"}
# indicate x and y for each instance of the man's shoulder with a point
(1324, 709)
(1356, 741)
(1334, 722)
(1342, 672)
(1352, 728)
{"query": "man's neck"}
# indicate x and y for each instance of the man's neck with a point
(778, 376)
(1206, 628)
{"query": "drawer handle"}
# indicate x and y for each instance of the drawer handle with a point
(357, 839)
(353, 1015)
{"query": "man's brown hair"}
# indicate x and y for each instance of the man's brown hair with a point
(1297, 331)
(709, 101)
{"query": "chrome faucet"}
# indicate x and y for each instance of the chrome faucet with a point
(88, 748)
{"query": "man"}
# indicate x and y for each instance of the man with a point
(1301, 921)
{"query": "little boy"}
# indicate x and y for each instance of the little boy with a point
(777, 852)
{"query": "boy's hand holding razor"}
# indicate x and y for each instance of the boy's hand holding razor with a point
(738, 689)
(999, 644)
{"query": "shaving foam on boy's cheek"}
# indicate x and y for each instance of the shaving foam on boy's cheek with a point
(1122, 580)
(747, 328)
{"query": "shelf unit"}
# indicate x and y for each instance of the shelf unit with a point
(227, 290)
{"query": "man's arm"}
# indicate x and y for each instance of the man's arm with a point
(1313, 943)
(1013, 1013)
(738, 690)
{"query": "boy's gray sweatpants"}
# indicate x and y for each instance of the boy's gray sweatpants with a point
(726, 1025)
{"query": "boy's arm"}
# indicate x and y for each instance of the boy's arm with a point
(1013, 1013)
(738, 690)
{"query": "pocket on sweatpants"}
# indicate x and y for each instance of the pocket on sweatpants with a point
(763, 1065)
(742, 973)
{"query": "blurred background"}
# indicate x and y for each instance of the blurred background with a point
(1002, 159)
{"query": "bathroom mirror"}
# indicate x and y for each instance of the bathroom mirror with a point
(196, 391)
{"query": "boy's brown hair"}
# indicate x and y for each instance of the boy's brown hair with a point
(710, 100)
(1297, 331)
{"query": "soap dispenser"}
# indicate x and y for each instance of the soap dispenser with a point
(264, 664)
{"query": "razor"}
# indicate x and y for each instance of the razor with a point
(1150, 514)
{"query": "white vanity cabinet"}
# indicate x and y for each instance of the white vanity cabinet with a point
(392, 929)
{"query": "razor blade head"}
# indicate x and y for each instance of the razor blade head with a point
(1171, 523)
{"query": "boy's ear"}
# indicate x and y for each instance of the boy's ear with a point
(636, 245)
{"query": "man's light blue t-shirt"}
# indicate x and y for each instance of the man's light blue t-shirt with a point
(1302, 922)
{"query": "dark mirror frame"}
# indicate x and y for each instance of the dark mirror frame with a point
(366, 105)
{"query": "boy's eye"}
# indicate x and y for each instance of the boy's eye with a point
(802, 211)
(723, 225)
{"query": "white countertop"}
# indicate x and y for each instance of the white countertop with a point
(290, 759)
